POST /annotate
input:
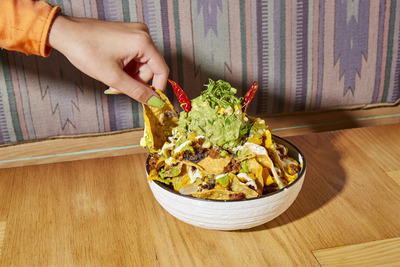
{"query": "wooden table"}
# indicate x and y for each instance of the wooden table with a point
(101, 212)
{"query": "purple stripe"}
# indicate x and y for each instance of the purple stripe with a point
(396, 82)
(277, 33)
(4, 137)
(111, 113)
(320, 53)
(100, 9)
(263, 55)
(149, 18)
(3, 124)
(379, 52)
(301, 55)
(166, 40)
(351, 41)
(123, 112)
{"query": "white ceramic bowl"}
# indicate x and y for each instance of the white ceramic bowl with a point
(231, 214)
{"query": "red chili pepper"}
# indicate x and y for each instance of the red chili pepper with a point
(183, 99)
(249, 96)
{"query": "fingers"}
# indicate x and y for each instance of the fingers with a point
(136, 90)
(143, 74)
(150, 66)
(160, 81)
(136, 78)
(159, 70)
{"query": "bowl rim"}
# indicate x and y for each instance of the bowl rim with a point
(300, 176)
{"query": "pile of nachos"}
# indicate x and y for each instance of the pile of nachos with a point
(215, 150)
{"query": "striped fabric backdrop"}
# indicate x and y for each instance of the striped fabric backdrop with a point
(305, 55)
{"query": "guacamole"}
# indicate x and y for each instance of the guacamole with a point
(217, 115)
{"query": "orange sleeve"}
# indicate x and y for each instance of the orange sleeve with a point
(25, 25)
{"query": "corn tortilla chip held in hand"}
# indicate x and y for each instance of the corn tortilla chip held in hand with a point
(159, 123)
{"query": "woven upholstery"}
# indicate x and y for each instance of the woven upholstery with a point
(305, 55)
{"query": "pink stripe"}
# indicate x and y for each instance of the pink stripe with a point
(139, 8)
(288, 74)
(93, 9)
(18, 98)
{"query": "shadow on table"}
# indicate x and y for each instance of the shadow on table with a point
(324, 179)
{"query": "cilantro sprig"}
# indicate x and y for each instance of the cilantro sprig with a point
(221, 93)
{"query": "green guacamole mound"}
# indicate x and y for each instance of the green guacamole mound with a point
(217, 115)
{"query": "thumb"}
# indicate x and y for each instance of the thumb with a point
(136, 90)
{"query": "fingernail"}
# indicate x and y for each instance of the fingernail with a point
(109, 92)
(156, 102)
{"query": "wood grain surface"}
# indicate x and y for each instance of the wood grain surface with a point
(376, 253)
(101, 212)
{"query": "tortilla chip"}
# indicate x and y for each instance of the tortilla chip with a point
(264, 160)
(160, 163)
(260, 153)
(267, 162)
(190, 164)
(153, 175)
(159, 123)
(254, 167)
(237, 186)
(173, 171)
(246, 153)
(218, 194)
(268, 179)
(214, 166)
(285, 163)
(181, 181)
(255, 140)
(268, 139)
(257, 169)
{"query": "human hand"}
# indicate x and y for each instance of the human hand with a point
(119, 54)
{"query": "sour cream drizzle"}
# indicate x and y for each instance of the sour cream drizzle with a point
(259, 150)
(194, 175)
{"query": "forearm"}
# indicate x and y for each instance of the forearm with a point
(25, 25)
